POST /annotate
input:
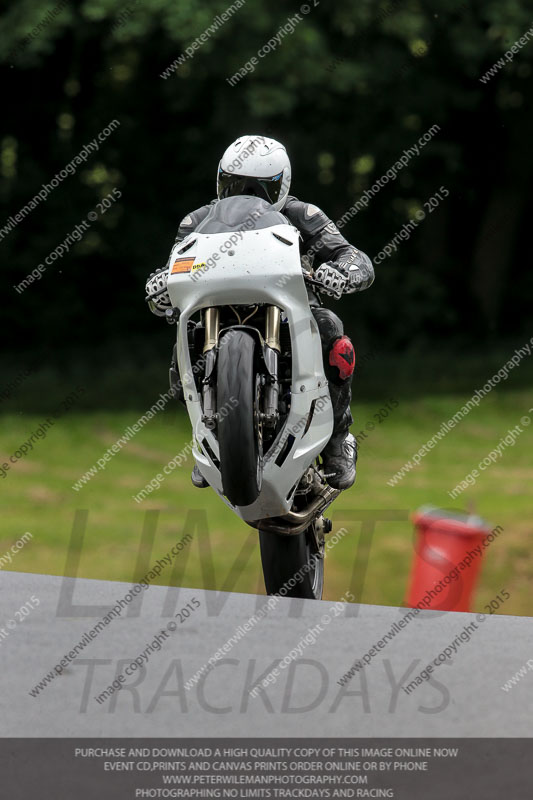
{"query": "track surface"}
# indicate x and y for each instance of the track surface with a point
(305, 700)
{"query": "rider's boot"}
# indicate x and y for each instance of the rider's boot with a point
(340, 454)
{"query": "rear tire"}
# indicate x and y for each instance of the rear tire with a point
(283, 557)
(240, 455)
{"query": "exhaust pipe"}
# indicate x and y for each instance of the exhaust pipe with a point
(295, 522)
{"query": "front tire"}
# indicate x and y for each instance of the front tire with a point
(238, 434)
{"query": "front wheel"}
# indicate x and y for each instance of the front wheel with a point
(293, 564)
(239, 426)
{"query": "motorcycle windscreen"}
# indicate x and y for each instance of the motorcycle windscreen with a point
(241, 213)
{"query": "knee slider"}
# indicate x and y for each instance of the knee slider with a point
(342, 356)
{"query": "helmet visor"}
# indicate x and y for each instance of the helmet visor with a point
(268, 189)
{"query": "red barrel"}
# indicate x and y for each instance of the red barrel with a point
(448, 554)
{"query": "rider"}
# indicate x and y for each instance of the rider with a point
(259, 166)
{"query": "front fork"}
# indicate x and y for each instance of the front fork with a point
(271, 352)
(212, 328)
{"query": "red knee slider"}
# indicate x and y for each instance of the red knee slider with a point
(342, 356)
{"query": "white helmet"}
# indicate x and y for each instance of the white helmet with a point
(258, 166)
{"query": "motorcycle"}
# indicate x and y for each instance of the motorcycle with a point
(250, 359)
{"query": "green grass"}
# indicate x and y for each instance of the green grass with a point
(38, 498)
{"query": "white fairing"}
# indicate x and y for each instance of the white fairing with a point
(259, 268)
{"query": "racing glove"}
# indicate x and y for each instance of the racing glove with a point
(157, 295)
(345, 276)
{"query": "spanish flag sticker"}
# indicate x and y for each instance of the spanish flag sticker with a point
(182, 265)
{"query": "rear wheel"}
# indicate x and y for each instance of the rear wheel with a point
(293, 563)
(239, 425)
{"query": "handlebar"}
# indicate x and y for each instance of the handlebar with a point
(309, 279)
